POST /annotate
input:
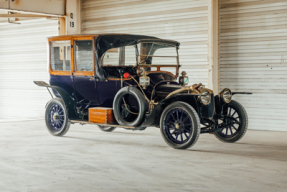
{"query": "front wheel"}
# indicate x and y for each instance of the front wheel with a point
(234, 121)
(56, 117)
(180, 125)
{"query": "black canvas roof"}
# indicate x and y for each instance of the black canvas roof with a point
(105, 42)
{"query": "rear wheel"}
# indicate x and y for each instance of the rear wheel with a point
(180, 125)
(236, 121)
(56, 117)
(106, 128)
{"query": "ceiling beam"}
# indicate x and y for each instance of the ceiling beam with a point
(48, 7)
(23, 16)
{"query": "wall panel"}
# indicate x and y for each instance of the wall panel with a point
(253, 57)
(23, 59)
(181, 20)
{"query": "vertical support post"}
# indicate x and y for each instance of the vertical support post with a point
(62, 26)
(71, 24)
(73, 11)
(213, 45)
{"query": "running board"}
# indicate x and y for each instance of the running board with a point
(109, 125)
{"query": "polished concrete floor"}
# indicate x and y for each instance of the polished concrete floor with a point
(87, 159)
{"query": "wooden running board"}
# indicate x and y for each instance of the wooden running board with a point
(109, 125)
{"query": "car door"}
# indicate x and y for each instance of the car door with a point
(83, 70)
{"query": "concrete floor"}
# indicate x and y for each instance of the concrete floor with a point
(87, 159)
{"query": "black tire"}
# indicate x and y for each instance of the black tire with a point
(56, 117)
(140, 100)
(235, 135)
(106, 128)
(181, 126)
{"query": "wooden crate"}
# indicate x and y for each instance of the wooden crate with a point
(101, 115)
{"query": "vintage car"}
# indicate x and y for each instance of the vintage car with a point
(130, 81)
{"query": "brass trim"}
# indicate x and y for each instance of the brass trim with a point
(193, 88)
(200, 97)
(221, 95)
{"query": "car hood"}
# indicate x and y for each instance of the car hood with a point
(168, 88)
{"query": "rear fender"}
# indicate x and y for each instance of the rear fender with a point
(153, 118)
(68, 100)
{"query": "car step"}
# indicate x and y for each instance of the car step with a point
(108, 125)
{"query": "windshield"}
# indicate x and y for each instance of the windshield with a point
(157, 54)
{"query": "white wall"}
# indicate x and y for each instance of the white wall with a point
(23, 59)
(253, 47)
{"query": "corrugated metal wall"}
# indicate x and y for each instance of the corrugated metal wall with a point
(181, 20)
(23, 59)
(253, 57)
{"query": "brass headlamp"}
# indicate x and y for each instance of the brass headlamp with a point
(183, 79)
(225, 95)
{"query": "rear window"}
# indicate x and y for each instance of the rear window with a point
(60, 55)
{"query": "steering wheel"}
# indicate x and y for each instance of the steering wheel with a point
(134, 70)
(121, 71)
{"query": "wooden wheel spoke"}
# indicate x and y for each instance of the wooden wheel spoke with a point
(234, 127)
(173, 117)
(176, 135)
(185, 134)
(231, 130)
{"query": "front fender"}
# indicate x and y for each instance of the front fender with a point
(153, 118)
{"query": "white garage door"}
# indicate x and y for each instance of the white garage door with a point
(23, 59)
(254, 58)
(181, 20)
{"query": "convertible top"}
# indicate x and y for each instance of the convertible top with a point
(104, 42)
(108, 41)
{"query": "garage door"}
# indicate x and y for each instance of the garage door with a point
(181, 20)
(254, 58)
(23, 59)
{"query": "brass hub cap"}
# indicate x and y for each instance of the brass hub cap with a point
(56, 116)
(179, 125)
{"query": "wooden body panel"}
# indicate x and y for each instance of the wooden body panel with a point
(101, 115)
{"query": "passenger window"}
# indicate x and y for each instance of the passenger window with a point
(60, 55)
(84, 55)
(112, 57)
(130, 56)
(122, 56)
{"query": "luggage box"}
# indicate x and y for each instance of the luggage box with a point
(101, 115)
